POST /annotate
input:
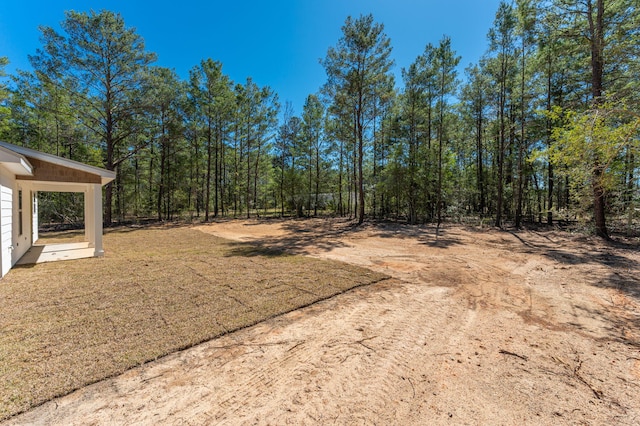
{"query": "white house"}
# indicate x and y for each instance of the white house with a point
(25, 172)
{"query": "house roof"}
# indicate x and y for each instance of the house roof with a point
(14, 162)
(26, 163)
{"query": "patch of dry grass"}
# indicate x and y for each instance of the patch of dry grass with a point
(158, 290)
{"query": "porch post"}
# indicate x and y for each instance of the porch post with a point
(93, 217)
(89, 226)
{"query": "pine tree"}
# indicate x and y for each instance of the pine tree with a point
(5, 112)
(475, 103)
(359, 68)
(212, 96)
(312, 128)
(602, 32)
(167, 95)
(446, 62)
(502, 38)
(101, 64)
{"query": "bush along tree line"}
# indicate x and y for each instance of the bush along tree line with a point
(543, 128)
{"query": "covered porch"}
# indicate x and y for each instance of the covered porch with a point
(55, 174)
(91, 244)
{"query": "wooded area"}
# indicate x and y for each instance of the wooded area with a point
(543, 128)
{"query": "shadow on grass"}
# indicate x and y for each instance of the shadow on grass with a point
(57, 237)
(25, 266)
(252, 250)
(155, 224)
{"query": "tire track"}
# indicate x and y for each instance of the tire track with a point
(429, 349)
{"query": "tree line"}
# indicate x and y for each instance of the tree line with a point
(544, 127)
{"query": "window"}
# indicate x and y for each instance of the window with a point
(19, 211)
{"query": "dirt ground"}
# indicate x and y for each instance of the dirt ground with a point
(477, 327)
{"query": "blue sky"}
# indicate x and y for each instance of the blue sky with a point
(277, 43)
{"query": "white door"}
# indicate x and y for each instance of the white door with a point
(34, 216)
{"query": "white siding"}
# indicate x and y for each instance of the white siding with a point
(6, 220)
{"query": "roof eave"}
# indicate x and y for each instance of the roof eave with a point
(15, 162)
(106, 176)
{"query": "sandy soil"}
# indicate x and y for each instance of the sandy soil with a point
(477, 327)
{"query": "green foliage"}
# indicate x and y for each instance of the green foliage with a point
(544, 124)
(360, 83)
(213, 101)
(591, 146)
(5, 112)
(99, 65)
(313, 142)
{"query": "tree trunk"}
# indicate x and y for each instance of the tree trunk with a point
(248, 196)
(162, 169)
(599, 204)
(282, 185)
(150, 180)
(208, 183)
(315, 206)
(340, 171)
(550, 180)
(630, 188)
(216, 174)
(480, 171)
(360, 156)
(596, 29)
(521, 145)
